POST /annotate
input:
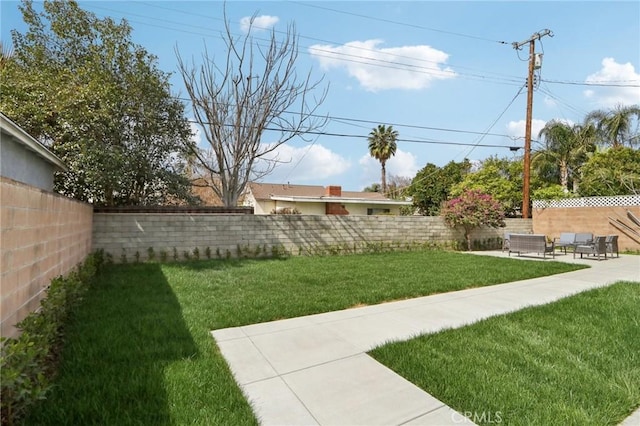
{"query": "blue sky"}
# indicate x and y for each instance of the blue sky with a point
(442, 73)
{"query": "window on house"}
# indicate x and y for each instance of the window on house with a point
(371, 212)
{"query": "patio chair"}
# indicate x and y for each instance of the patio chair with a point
(612, 245)
(583, 238)
(567, 239)
(597, 247)
(505, 241)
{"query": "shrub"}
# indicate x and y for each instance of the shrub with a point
(471, 210)
(27, 363)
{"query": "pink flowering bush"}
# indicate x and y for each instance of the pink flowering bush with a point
(471, 210)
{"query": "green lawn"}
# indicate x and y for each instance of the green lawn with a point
(138, 351)
(573, 362)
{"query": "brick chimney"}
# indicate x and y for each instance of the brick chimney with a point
(333, 191)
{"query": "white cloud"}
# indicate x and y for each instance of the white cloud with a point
(196, 133)
(402, 164)
(614, 73)
(516, 129)
(260, 23)
(298, 165)
(378, 68)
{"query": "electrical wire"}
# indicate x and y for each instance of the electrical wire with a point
(594, 83)
(499, 78)
(497, 118)
(397, 125)
(547, 91)
(389, 21)
(474, 145)
(360, 136)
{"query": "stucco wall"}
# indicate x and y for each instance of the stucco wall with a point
(127, 234)
(23, 165)
(595, 214)
(44, 235)
(267, 206)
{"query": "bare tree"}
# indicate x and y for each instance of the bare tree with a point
(397, 185)
(253, 89)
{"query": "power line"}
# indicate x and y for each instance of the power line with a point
(560, 100)
(498, 78)
(477, 143)
(359, 136)
(411, 126)
(593, 83)
(498, 118)
(404, 24)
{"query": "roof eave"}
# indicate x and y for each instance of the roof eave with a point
(339, 200)
(31, 143)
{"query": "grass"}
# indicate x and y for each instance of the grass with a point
(138, 351)
(573, 362)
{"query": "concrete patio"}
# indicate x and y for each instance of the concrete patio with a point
(314, 370)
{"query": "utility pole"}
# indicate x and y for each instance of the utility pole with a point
(527, 131)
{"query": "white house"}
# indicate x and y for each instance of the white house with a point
(269, 198)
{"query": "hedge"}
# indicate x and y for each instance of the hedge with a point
(28, 362)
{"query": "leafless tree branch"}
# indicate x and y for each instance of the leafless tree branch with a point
(255, 88)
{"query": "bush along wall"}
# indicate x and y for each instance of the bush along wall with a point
(28, 362)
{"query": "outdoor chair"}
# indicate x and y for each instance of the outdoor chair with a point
(583, 238)
(612, 245)
(597, 247)
(567, 239)
(505, 241)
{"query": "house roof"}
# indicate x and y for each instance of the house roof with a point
(315, 193)
(30, 142)
(201, 187)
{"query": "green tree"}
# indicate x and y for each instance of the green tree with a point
(564, 150)
(616, 126)
(499, 177)
(252, 88)
(432, 185)
(382, 146)
(550, 192)
(611, 172)
(471, 210)
(374, 187)
(97, 100)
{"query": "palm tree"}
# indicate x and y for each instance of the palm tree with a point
(615, 126)
(382, 146)
(565, 147)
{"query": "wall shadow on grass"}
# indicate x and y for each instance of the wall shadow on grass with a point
(126, 332)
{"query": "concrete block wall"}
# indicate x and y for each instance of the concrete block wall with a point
(43, 235)
(130, 233)
(554, 220)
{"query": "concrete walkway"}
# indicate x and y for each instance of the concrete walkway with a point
(314, 369)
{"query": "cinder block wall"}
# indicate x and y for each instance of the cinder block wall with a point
(599, 220)
(44, 235)
(127, 233)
